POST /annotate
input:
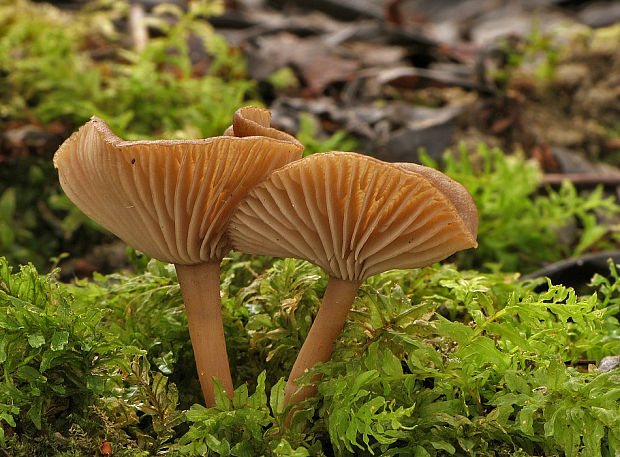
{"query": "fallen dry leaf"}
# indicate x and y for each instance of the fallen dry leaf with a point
(105, 447)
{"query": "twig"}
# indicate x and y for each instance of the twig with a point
(582, 179)
(137, 27)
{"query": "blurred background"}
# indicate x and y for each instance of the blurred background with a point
(402, 80)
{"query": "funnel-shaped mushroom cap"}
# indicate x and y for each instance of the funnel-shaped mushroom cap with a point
(255, 121)
(354, 216)
(170, 199)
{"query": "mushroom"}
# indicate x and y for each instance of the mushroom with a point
(172, 200)
(354, 216)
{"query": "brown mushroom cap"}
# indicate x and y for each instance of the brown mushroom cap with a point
(170, 199)
(255, 121)
(355, 216)
(454, 191)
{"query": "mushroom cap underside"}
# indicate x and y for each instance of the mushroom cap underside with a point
(354, 216)
(452, 190)
(169, 199)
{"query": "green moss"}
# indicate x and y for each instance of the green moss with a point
(520, 222)
(433, 361)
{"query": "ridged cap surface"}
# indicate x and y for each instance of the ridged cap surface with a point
(170, 199)
(452, 190)
(355, 216)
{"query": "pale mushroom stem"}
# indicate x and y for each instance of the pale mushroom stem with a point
(200, 286)
(321, 339)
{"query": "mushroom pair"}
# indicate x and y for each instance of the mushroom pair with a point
(354, 216)
(172, 200)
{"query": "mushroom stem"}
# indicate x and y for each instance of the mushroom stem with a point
(321, 339)
(200, 286)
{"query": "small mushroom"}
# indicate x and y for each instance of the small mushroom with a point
(354, 216)
(172, 200)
